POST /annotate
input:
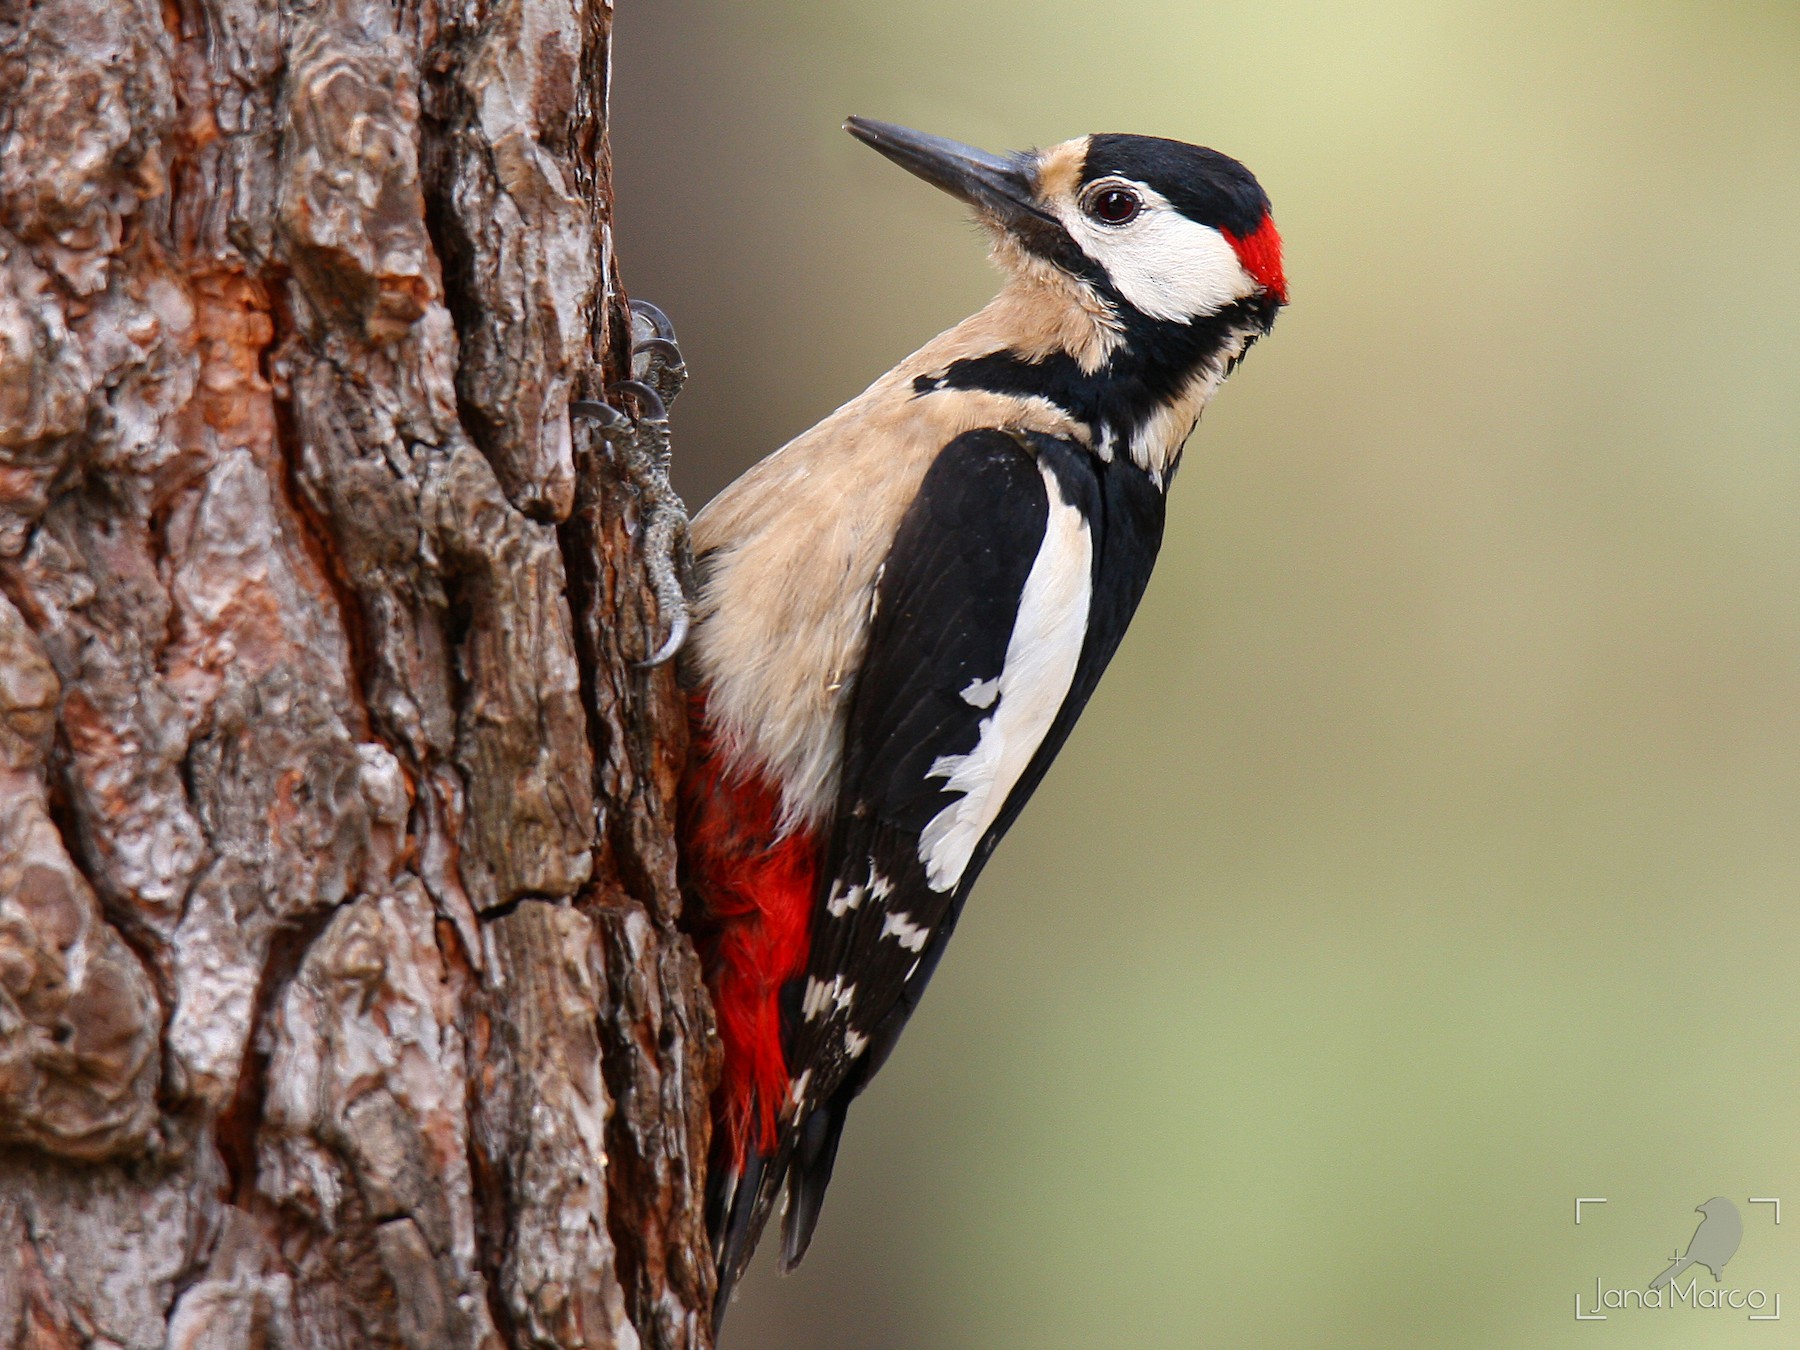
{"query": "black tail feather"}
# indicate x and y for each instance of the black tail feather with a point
(737, 1207)
(738, 1203)
(809, 1173)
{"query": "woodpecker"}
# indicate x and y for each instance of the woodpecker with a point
(901, 613)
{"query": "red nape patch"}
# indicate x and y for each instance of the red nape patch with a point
(758, 888)
(1260, 252)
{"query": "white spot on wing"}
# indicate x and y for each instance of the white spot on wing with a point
(981, 693)
(843, 900)
(797, 1090)
(879, 886)
(1040, 666)
(854, 1044)
(820, 996)
(903, 930)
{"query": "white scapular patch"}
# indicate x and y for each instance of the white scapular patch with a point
(1040, 664)
(842, 900)
(1164, 264)
(903, 930)
(854, 1044)
(981, 693)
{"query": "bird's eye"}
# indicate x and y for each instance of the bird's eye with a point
(1114, 205)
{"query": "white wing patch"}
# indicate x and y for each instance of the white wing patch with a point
(1040, 665)
(797, 1089)
(821, 997)
(982, 693)
(844, 899)
(903, 930)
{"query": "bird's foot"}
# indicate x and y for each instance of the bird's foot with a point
(638, 433)
(655, 359)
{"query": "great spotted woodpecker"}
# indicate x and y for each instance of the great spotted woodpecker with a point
(902, 612)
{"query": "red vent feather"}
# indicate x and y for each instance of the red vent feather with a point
(758, 888)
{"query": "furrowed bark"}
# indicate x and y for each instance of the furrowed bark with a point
(342, 1001)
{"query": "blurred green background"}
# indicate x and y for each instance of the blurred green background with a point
(1431, 854)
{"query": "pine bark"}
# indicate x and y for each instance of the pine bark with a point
(342, 1002)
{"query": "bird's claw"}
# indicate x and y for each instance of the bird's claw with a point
(641, 439)
(655, 359)
(609, 417)
(651, 407)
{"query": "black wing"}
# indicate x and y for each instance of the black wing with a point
(945, 611)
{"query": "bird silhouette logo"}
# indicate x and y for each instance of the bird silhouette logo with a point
(1714, 1242)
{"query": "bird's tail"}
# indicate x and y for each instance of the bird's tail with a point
(809, 1173)
(1680, 1264)
(738, 1200)
(740, 1197)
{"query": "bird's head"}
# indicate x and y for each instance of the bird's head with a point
(1157, 231)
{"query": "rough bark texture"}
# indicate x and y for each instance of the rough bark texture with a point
(341, 999)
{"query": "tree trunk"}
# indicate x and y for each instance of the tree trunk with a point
(341, 999)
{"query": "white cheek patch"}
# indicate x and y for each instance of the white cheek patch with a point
(1041, 656)
(1162, 263)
